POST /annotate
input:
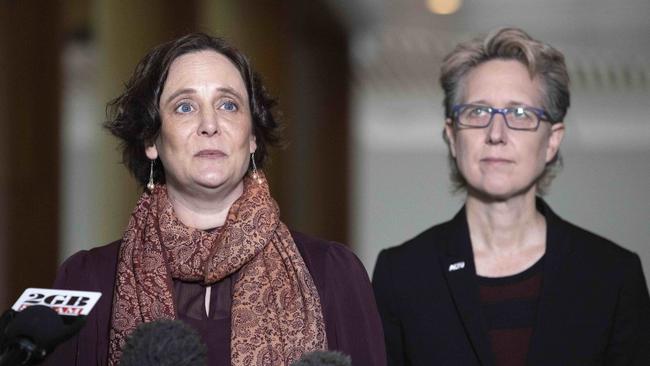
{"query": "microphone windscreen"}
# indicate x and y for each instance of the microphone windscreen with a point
(323, 358)
(6, 319)
(164, 343)
(42, 325)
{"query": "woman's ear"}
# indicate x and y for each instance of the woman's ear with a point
(450, 137)
(554, 140)
(151, 150)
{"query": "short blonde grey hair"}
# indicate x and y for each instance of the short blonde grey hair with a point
(543, 62)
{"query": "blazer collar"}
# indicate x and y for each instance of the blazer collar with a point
(552, 299)
(457, 264)
(458, 244)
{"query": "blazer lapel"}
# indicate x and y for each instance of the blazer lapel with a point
(558, 250)
(458, 267)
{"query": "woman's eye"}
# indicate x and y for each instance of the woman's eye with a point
(477, 112)
(229, 106)
(184, 108)
(521, 113)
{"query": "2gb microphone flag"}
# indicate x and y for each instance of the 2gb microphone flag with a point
(64, 302)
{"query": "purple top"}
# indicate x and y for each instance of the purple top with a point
(352, 322)
(214, 327)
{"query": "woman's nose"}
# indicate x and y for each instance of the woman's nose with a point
(497, 131)
(209, 124)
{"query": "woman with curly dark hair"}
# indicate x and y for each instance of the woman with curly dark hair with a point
(205, 243)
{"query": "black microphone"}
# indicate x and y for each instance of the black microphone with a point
(323, 358)
(26, 337)
(164, 343)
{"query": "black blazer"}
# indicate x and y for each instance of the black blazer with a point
(594, 306)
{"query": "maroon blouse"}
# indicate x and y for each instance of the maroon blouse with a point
(351, 319)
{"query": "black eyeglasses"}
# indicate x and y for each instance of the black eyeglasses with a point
(521, 118)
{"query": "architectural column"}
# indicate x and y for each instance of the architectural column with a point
(30, 38)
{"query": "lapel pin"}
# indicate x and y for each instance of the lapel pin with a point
(456, 266)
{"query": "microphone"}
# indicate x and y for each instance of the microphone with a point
(323, 358)
(39, 321)
(164, 343)
(30, 335)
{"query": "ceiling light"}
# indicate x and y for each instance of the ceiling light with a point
(444, 7)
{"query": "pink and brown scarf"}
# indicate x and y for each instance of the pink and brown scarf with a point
(276, 312)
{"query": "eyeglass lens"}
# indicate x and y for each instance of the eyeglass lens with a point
(481, 116)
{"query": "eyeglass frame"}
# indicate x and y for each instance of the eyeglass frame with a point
(541, 114)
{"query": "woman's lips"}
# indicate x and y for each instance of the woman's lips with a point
(210, 154)
(496, 160)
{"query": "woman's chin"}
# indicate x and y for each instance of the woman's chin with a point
(499, 191)
(211, 181)
(219, 181)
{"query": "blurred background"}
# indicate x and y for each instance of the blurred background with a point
(357, 86)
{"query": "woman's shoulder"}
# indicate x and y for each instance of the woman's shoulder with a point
(572, 238)
(588, 253)
(103, 251)
(92, 257)
(351, 318)
(89, 268)
(320, 252)
(593, 249)
(429, 241)
(317, 245)
(330, 263)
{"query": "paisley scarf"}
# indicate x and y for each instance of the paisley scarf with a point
(276, 313)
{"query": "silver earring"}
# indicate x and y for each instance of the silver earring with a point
(151, 185)
(255, 175)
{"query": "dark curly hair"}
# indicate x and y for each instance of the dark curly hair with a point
(134, 116)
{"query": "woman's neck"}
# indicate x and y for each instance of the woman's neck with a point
(505, 227)
(202, 211)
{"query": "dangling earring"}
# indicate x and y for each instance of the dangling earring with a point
(151, 185)
(255, 175)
